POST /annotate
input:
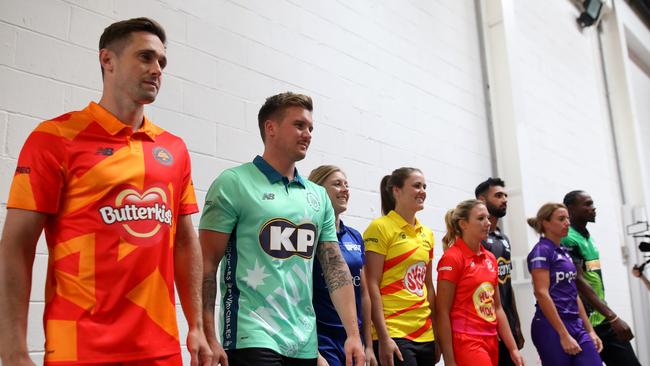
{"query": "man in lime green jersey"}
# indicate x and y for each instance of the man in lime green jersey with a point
(611, 329)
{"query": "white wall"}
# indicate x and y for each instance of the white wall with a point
(394, 84)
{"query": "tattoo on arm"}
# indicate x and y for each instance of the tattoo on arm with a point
(209, 291)
(336, 271)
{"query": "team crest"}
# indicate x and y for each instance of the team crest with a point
(313, 201)
(163, 156)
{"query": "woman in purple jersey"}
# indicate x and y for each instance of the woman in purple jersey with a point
(331, 334)
(560, 330)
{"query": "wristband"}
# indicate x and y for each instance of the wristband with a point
(613, 320)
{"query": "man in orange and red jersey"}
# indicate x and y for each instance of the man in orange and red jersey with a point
(113, 193)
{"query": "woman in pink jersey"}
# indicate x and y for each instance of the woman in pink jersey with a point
(398, 271)
(468, 308)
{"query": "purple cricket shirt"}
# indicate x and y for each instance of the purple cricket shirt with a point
(562, 272)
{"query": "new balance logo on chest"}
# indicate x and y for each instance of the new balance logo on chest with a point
(268, 196)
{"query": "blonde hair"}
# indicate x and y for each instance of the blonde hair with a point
(452, 220)
(320, 174)
(543, 214)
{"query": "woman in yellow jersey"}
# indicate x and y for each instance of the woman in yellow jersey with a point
(398, 271)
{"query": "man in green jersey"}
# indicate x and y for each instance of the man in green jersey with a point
(267, 223)
(611, 329)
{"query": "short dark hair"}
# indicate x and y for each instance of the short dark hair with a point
(483, 187)
(571, 197)
(275, 106)
(116, 35)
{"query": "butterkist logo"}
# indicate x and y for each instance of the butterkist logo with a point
(136, 211)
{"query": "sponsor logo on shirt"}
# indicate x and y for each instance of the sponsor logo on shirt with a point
(23, 170)
(504, 268)
(352, 247)
(484, 301)
(562, 276)
(268, 196)
(281, 238)
(163, 156)
(141, 214)
(105, 151)
(446, 268)
(414, 278)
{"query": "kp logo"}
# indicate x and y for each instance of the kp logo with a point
(141, 215)
(414, 278)
(281, 238)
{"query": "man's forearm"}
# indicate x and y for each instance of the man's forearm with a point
(339, 283)
(14, 303)
(209, 302)
(188, 268)
(17, 250)
(590, 297)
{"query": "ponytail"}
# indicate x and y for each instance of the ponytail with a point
(396, 179)
(452, 221)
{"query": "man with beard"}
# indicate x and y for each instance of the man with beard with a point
(493, 193)
(613, 331)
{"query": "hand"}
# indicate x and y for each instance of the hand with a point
(569, 344)
(354, 352)
(635, 271)
(597, 342)
(371, 360)
(219, 355)
(622, 330)
(321, 361)
(387, 348)
(516, 357)
(519, 338)
(197, 345)
(437, 353)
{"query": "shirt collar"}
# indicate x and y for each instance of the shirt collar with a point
(342, 229)
(112, 125)
(549, 243)
(468, 253)
(273, 175)
(399, 220)
(496, 233)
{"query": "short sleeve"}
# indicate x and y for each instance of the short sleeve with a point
(450, 266)
(188, 203)
(575, 250)
(374, 239)
(221, 212)
(40, 175)
(328, 230)
(540, 257)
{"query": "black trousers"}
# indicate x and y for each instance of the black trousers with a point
(615, 352)
(264, 356)
(414, 353)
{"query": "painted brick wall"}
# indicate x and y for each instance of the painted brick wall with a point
(394, 84)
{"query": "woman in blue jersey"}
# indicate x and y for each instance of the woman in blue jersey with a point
(331, 334)
(560, 330)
